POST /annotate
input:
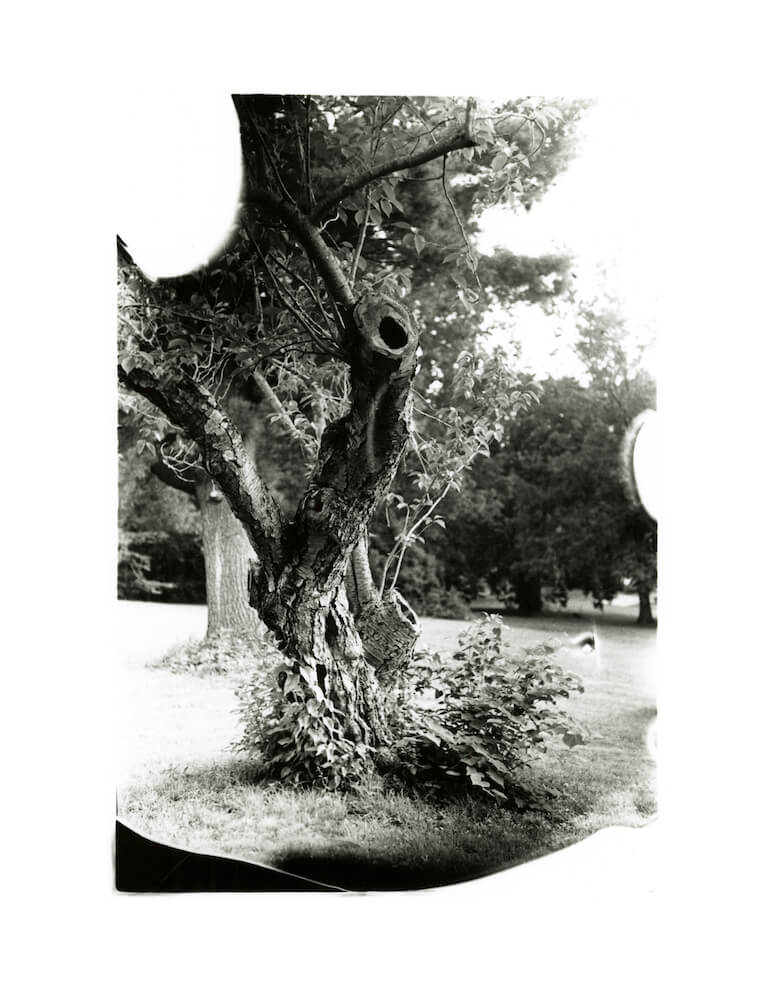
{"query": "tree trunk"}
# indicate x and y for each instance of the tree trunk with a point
(227, 556)
(324, 549)
(528, 595)
(645, 610)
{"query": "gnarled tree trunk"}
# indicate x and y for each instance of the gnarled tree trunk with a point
(307, 606)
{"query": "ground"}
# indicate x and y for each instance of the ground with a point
(180, 784)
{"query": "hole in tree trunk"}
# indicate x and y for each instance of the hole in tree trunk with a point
(393, 335)
(331, 630)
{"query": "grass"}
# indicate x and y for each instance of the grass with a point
(185, 788)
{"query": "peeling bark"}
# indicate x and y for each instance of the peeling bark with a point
(192, 407)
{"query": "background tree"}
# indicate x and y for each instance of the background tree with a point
(550, 509)
(174, 514)
(316, 316)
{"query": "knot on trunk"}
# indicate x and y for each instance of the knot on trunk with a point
(388, 629)
(328, 515)
(387, 337)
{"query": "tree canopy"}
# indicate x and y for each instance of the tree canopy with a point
(551, 508)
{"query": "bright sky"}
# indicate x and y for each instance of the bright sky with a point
(180, 180)
(603, 210)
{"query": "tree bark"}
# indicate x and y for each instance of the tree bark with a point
(645, 609)
(308, 609)
(227, 556)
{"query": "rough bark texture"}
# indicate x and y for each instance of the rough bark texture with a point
(227, 557)
(387, 626)
(308, 610)
(192, 406)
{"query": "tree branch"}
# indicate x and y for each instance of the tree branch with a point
(310, 238)
(171, 478)
(195, 410)
(284, 418)
(360, 452)
(460, 139)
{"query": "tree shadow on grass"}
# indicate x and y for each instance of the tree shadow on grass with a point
(357, 871)
(419, 845)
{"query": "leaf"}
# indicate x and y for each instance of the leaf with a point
(419, 242)
(477, 778)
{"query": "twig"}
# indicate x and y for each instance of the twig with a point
(360, 239)
(309, 192)
(461, 229)
(274, 166)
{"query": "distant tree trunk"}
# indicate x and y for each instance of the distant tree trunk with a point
(227, 555)
(528, 594)
(645, 610)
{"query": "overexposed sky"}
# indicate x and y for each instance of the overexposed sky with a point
(180, 179)
(603, 210)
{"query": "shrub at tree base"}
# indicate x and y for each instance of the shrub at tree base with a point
(463, 723)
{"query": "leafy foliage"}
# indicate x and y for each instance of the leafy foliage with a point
(475, 719)
(550, 508)
(293, 731)
(485, 393)
(164, 566)
(469, 722)
(229, 652)
(422, 579)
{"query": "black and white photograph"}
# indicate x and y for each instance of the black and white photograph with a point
(387, 495)
(386, 487)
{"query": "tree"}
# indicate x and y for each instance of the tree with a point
(551, 508)
(309, 299)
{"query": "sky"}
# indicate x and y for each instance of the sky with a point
(603, 211)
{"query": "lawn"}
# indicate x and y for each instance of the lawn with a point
(181, 785)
